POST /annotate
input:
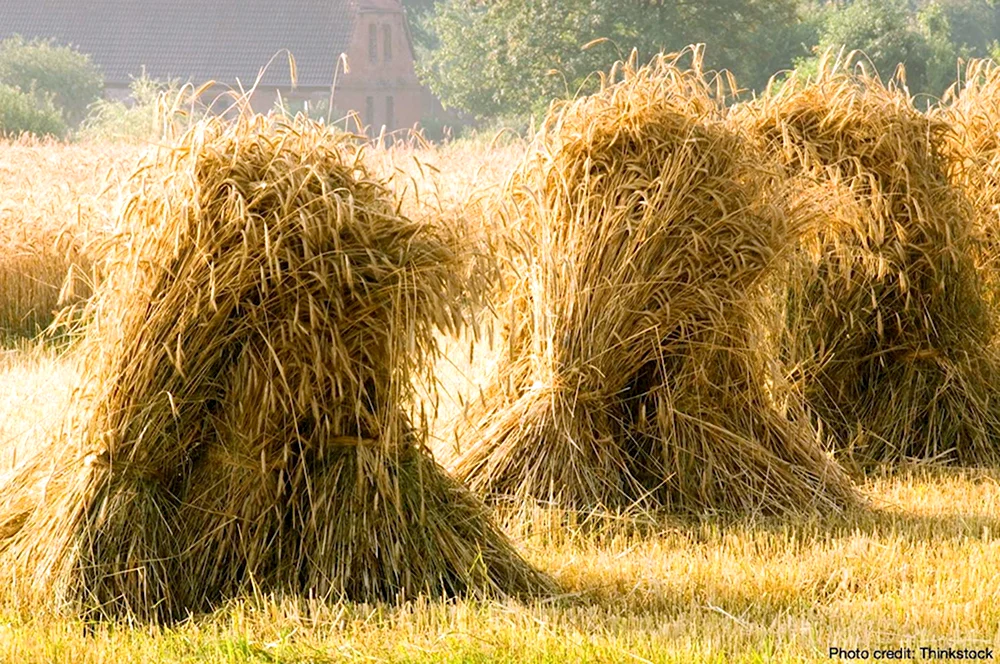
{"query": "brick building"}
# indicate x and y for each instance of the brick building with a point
(230, 41)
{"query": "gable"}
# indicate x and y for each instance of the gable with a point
(193, 40)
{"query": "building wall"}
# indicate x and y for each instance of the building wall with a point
(381, 86)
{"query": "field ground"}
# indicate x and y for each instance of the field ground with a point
(920, 566)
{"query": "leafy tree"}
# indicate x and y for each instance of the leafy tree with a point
(974, 24)
(789, 44)
(418, 14)
(942, 53)
(513, 56)
(882, 30)
(22, 112)
(60, 73)
(889, 34)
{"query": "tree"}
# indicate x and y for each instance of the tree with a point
(513, 56)
(59, 73)
(943, 53)
(22, 113)
(882, 30)
(418, 13)
(889, 34)
(974, 24)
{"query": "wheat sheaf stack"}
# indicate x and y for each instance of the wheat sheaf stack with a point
(244, 425)
(888, 326)
(972, 108)
(631, 373)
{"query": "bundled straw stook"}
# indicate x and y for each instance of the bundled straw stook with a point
(887, 326)
(245, 424)
(973, 110)
(631, 375)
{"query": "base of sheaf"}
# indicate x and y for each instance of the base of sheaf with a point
(932, 408)
(361, 524)
(714, 453)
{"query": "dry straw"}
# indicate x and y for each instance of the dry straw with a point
(244, 425)
(887, 326)
(52, 207)
(972, 108)
(39, 274)
(631, 372)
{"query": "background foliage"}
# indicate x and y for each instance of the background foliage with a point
(22, 112)
(512, 57)
(503, 62)
(49, 71)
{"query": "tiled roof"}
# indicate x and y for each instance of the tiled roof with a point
(193, 40)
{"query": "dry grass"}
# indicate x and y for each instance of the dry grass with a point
(35, 388)
(919, 571)
(887, 326)
(631, 371)
(56, 200)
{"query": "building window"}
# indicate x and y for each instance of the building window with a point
(390, 113)
(369, 111)
(386, 42)
(373, 43)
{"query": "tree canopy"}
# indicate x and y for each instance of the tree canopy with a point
(512, 57)
(53, 73)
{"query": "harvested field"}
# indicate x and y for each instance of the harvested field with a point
(909, 568)
(57, 201)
